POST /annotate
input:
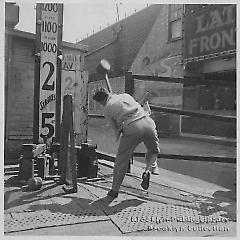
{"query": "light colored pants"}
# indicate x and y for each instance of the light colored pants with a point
(142, 130)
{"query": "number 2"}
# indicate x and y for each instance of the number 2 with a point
(51, 71)
(69, 85)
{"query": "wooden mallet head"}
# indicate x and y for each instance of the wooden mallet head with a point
(103, 67)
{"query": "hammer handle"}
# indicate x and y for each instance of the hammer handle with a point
(108, 84)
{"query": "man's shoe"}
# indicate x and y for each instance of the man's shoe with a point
(112, 194)
(155, 170)
(145, 181)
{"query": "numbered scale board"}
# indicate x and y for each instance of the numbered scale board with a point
(75, 82)
(49, 19)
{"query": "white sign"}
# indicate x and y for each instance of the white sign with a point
(72, 62)
(48, 71)
(75, 82)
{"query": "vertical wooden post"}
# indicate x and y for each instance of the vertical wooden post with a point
(59, 74)
(73, 164)
(7, 79)
(62, 162)
(129, 83)
(68, 161)
(37, 77)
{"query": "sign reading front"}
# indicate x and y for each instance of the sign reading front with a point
(210, 30)
(49, 39)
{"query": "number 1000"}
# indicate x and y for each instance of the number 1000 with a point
(49, 47)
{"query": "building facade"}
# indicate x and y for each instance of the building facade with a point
(190, 41)
(209, 52)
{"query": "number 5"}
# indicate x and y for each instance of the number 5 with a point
(47, 125)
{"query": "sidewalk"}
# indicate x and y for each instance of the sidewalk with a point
(175, 205)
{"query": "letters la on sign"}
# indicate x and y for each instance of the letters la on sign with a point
(210, 30)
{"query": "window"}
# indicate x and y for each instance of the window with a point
(175, 21)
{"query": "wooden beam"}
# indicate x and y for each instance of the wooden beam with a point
(192, 157)
(194, 114)
(105, 156)
(111, 157)
(186, 81)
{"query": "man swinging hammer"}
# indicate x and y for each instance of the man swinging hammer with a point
(132, 125)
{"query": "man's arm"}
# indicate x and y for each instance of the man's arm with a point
(144, 101)
(146, 97)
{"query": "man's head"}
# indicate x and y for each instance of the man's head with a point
(101, 95)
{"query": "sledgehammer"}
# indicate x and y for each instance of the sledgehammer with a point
(103, 68)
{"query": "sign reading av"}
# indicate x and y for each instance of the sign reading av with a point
(48, 70)
(209, 31)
